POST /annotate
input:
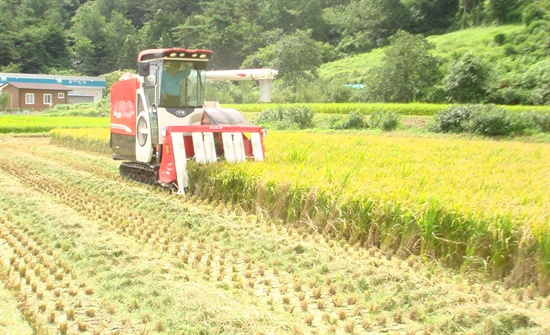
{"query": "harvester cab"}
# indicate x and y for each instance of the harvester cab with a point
(159, 119)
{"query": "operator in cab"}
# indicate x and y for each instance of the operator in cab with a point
(174, 83)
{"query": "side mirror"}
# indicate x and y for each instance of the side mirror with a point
(143, 69)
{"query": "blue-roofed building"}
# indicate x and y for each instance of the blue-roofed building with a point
(80, 89)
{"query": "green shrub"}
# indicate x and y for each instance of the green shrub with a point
(538, 122)
(467, 79)
(338, 93)
(301, 115)
(271, 115)
(285, 117)
(491, 120)
(452, 119)
(386, 120)
(354, 120)
(533, 12)
(500, 39)
(100, 108)
(542, 122)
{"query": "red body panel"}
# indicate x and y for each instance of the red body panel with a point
(214, 129)
(167, 169)
(123, 107)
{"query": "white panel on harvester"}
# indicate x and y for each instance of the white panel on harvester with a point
(257, 146)
(209, 148)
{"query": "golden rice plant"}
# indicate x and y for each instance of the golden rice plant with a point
(96, 140)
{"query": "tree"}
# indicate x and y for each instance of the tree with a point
(9, 52)
(158, 32)
(470, 13)
(8, 27)
(33, 37)
(504, 11)
(297, 57)
(83, 56)
(88, 32)
(40, 48)
(4, 98)
(466, 80)
(538, 10)
(121, 49)
(228, 29)
(33, 12)
(366, 24)
(56, 45)
(291, 15)
(407, 72)
(431, 16)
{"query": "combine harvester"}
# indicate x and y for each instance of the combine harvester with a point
(159, 118)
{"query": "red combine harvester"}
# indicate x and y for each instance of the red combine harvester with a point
(159, 118)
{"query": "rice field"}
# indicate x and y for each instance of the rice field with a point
(83, 251)
(411, 109)
(476, 205)
(15, 124)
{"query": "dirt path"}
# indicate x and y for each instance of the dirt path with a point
(125, 258)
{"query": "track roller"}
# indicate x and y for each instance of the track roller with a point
(142, 173)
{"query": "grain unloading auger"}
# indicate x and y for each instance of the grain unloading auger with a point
(159, 118)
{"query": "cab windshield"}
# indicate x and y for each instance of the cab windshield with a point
(182, 84)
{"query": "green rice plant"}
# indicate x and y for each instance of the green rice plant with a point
(348, 108)
(16, 124)
(414, 108)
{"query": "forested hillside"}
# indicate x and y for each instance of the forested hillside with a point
(296, 37)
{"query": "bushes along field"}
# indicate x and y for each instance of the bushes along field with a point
(346, 108)
(418, 109)
(489, 120)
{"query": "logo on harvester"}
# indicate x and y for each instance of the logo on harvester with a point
(181, 112)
